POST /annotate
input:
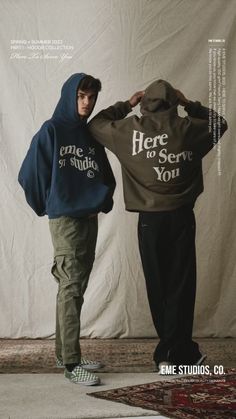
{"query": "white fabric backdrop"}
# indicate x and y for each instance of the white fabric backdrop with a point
(128, 44)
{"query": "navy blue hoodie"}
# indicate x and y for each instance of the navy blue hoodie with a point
(65, 172)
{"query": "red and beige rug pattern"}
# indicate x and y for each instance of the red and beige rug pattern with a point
(118, 355)
(202, 397)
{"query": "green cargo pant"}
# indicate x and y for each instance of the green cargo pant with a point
(74, 242)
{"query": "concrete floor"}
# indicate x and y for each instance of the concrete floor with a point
(51, 396)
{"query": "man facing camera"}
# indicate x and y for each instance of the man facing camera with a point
(67, 176)
(161, 158)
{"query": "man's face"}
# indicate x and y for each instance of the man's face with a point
(85, 102)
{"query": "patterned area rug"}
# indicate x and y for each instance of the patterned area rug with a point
(118, 355)
(186, 398)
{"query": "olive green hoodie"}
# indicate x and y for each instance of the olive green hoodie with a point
(160, 152)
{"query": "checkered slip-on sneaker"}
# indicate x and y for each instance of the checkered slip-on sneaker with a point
(90, 365)
(80, 376)
(59, 363)
(87, 364)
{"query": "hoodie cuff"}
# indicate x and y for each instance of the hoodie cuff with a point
(128, 107)
(192, 108)
(123, 109)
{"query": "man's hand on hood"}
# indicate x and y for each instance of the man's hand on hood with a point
(136, 98)
(183, 101)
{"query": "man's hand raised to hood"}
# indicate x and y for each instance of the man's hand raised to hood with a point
(136, 98)
(183, 101)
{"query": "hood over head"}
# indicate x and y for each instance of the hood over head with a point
(66, 110)
(159, 96)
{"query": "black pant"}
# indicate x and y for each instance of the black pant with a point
(167, 249)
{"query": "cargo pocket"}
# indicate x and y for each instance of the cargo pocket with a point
(57, 267)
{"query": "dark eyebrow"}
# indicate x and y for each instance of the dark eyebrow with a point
(85, 93)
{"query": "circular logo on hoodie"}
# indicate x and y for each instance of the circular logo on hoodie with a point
(90, 174)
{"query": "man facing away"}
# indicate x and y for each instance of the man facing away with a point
(67, 176)
(161, 158)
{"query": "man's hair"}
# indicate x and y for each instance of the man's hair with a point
(90, 83)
